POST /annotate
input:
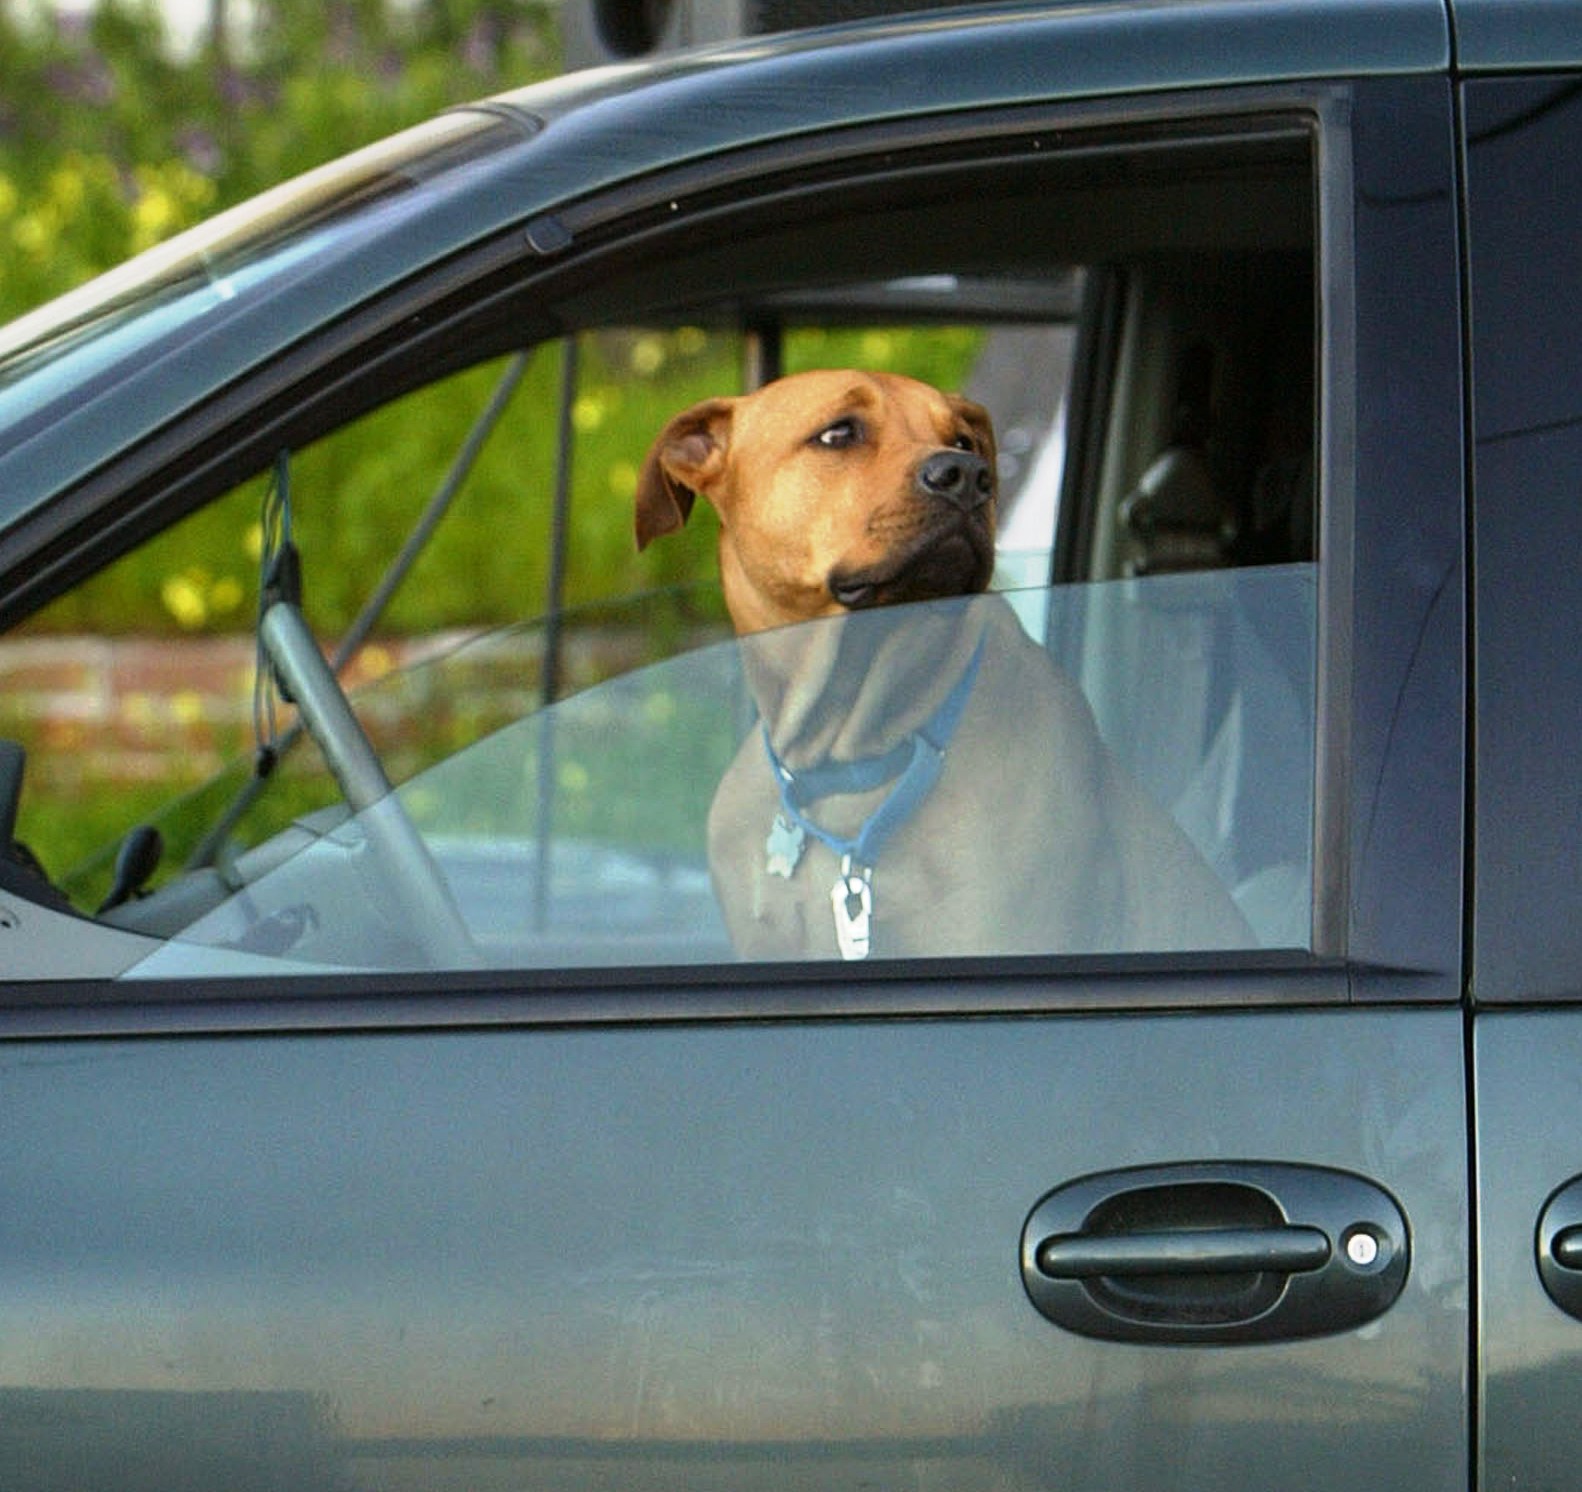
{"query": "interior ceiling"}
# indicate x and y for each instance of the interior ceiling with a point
(1011, 221)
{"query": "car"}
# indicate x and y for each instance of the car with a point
(393, 1108)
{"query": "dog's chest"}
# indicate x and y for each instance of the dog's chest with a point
(788, 895)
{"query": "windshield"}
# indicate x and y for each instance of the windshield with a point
(1100, 735)
(100, 330)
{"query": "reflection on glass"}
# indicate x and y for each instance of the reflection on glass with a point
(903, 782)
(105, 330)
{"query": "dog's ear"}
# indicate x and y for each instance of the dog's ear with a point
(978, 422)
(687, 456)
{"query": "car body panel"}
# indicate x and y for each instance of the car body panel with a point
(763, 1227)
(1527, 1118)
(1524, 287)
(1509, 35)
(760, 1255)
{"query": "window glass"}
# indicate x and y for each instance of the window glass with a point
(641, 821)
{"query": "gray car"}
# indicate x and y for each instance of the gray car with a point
(394, 1106)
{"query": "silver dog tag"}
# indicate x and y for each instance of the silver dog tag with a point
(783, 849)
(852, 898)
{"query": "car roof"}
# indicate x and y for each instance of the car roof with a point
(580, 134)
(1503, 35)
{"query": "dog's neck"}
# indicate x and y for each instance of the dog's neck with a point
(850, 688)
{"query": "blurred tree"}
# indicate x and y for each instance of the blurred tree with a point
(111, 138)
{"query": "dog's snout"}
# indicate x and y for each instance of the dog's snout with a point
(958, 477)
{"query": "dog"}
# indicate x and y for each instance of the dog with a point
(925, 781)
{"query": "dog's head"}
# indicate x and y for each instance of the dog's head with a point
(835, 491)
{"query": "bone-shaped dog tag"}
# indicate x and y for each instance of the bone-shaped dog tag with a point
(852, 898)
(783, 849)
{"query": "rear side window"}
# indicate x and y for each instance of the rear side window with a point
(1015, 654)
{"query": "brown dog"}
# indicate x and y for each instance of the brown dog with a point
(926, 781)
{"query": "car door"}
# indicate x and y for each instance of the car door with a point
(1521, 135)
(336, 1211)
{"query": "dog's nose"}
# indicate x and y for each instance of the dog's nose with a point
(957, 477)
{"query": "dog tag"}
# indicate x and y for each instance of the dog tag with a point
(852, 898)
(783, 849)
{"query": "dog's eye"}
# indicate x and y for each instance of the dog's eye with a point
(841, 434)
(965, 443)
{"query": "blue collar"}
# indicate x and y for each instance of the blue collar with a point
(914, 766)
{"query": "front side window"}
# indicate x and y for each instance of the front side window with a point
(991, 631)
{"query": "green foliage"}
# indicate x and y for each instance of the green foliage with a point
(111, 140)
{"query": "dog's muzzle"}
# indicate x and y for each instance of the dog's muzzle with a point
(957, 477)
(949, 551)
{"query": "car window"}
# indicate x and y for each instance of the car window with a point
(416, 697)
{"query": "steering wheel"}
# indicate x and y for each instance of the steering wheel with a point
(423, 899)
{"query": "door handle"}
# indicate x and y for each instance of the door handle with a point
(1188, 1252)
(1560, 1247)
(1215, 1252)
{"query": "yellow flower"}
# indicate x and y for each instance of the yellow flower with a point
(183, 596)
(374, 662)
(877, 347)
(170, 196)
(225, 595)
(623, 480)
(588, 413)
(647, 355)
(67, 188)
(154, 215)
(29, 234)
